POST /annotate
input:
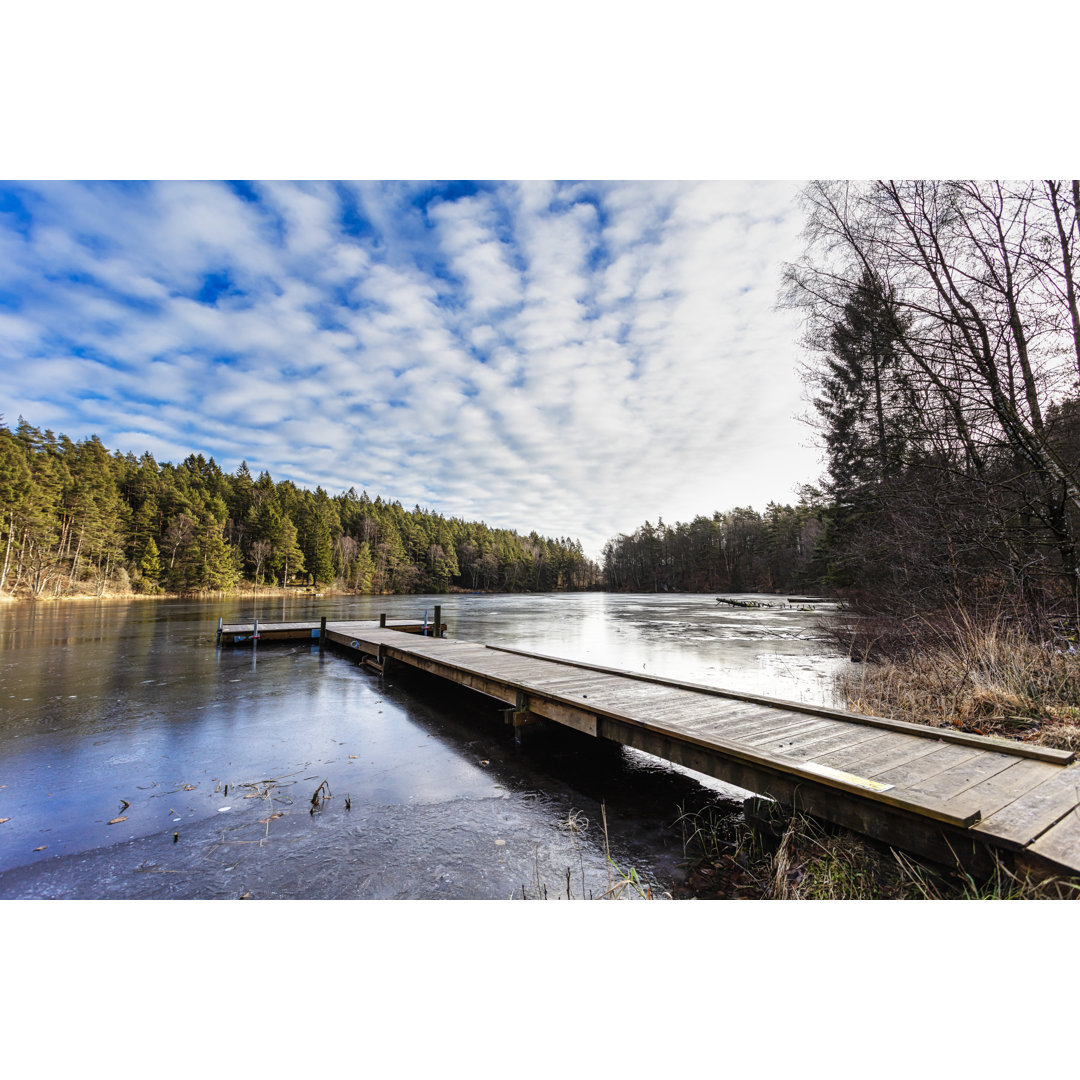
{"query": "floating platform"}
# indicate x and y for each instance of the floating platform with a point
(239, 633)
(937, 792)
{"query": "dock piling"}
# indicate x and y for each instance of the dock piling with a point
(438, 621)
(255, 634)
(382, 621)
(322, 634)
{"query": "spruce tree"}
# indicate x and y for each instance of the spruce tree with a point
(865, 403)
(868, 416)
(150, 566)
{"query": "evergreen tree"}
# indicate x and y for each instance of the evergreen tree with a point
(866, 406)
(868, 417)
(287, 559)
(318, 525)
(362, 570)
(210, 562)
(150, 566)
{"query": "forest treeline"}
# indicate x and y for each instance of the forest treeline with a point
(737, 551)
(75, 518)
(943, 340)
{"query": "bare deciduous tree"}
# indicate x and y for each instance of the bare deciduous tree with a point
(978, 282)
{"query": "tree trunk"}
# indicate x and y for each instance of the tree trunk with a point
(78, 550)
(7, 550)
(1064, 240)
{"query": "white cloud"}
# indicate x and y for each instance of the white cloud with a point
(569, 359)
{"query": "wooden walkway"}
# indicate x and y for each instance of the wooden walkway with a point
(940, 793)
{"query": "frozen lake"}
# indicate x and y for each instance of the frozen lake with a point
(128, 710)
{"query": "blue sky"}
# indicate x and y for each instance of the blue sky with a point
(570, 357)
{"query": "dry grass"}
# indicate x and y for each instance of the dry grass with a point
(813, 861)
(990, 680)
(795, 858)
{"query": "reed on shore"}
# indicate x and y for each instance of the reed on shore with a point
(991, 676)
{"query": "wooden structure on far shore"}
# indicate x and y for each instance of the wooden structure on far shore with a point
(957, 798)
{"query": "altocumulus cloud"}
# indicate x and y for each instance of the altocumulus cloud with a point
(570, 357)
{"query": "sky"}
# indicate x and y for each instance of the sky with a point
(570, 357)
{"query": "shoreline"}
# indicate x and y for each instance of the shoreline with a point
(259, 591)
(209, 594)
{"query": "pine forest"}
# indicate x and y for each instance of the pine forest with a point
(78, 519)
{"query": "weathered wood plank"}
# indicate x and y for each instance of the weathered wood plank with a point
(880, 755)
(706, 722)
(1026, 818)
(695, 706)
(846, 736)
(736, 731)
(789, 768)
(943, 757)
(950, 782)
(734, 724)
(627, 695)
(246, 628)
(754, 720)
(1061, 842)
(844, 757)
(781, 737)
(565, 687)
(997, 791)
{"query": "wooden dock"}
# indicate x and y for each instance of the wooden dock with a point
(245, 633)
(943, 794)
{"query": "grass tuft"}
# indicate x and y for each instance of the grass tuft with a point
(809, 860)
(988, 679)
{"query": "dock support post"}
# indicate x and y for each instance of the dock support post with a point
(521, 716)
(438, 621)
(322, 633)
(382, 621)
(255, 634)
(219, 632)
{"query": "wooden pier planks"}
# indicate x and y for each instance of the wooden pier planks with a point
(1022, 821)
(1060, 842)
(1007, 795)
(755, 729)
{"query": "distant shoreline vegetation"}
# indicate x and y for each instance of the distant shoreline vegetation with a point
(77, 520)
(737, 551)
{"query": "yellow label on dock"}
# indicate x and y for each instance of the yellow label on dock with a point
(848, 778)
